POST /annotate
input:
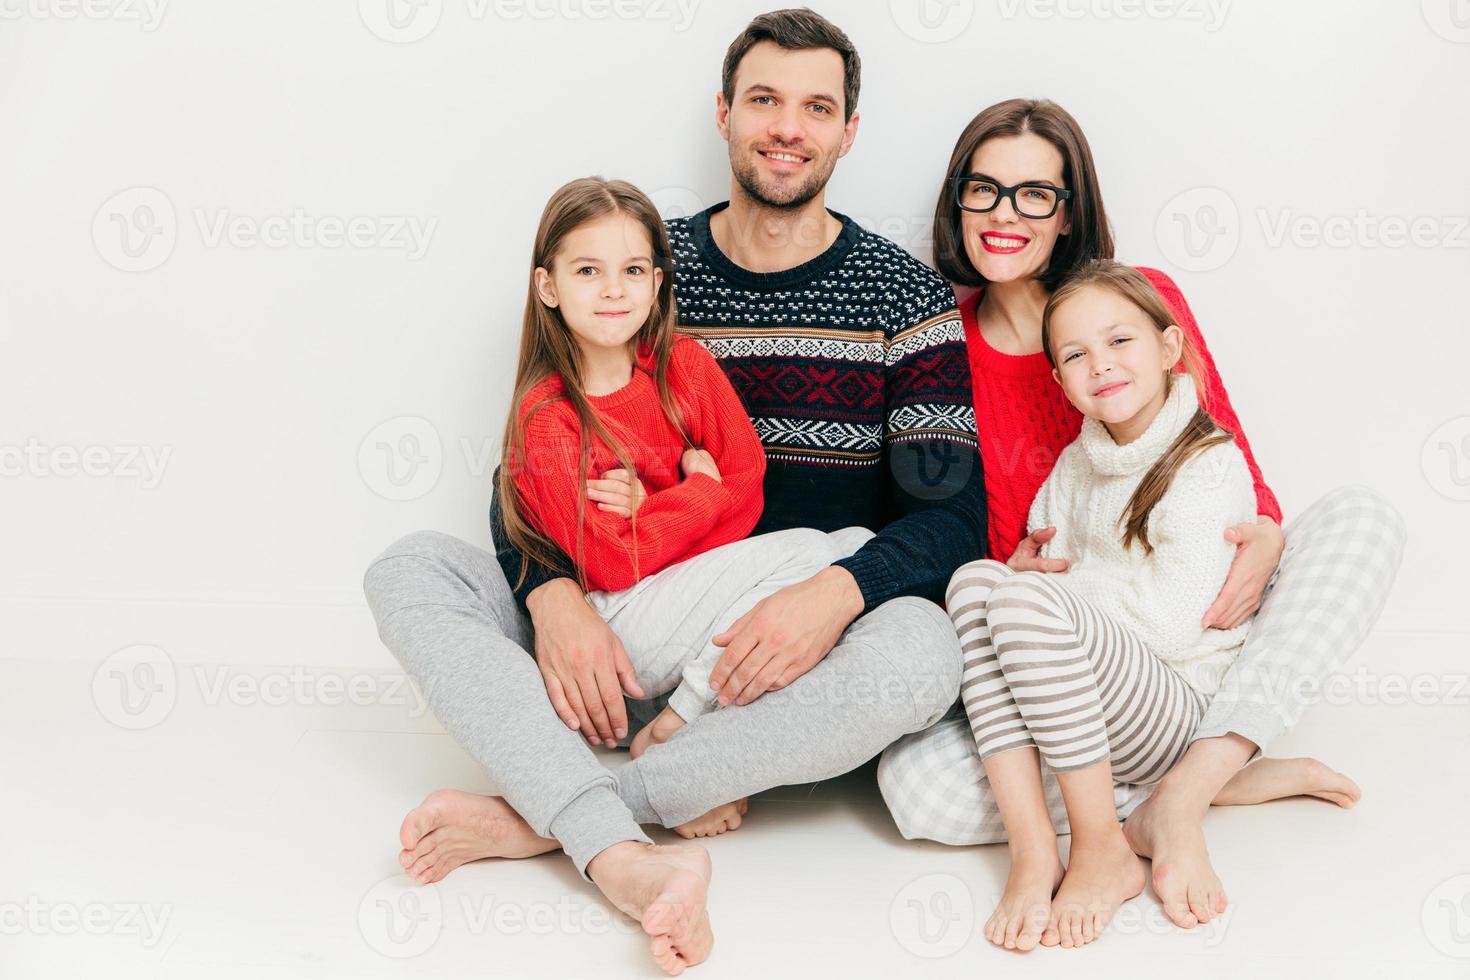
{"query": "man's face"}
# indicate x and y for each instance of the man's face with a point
(785, 126)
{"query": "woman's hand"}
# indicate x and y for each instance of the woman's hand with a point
(1258, 550)
(1028, 554)
(618, 491)
(698, 461)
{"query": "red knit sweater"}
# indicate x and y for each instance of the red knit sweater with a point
(680, 518)
(1025, 420)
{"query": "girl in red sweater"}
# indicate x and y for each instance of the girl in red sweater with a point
(628, 451)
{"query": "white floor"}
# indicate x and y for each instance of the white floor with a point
(250, 832)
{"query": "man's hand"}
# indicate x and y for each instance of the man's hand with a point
(618, 491)
(1028, 554)
(583, 663)
(785, 635)
(1258, 550)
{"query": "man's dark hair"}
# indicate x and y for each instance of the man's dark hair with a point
(797, 29)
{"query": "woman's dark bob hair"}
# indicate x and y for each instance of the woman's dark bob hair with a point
(1090, 238)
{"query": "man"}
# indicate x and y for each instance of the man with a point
(849, 356)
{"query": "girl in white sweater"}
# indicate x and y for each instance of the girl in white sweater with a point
(1102, 671)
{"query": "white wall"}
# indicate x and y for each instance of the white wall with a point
(261, 371)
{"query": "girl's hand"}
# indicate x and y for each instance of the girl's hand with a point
(1028, 554)
(698, 461)
(619, 492)
(1258, 550)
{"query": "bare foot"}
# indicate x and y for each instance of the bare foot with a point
(452, 827)
(665, 889)
(1170, 834)
(1024, 909)
(725, 817)
(1274, 779)
(656, 732)
(1100, 877)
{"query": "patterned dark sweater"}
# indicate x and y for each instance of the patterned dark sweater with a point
(853, 369)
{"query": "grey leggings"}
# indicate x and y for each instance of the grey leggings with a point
(443, 608)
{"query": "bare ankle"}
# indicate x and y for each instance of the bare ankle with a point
(615, 858)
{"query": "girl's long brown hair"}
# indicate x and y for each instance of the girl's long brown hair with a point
(548, 348)
(1199, 434)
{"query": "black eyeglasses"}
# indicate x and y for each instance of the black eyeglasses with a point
(1031, 199)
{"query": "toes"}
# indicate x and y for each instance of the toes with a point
(1199, 905)
(1031, 932)
(420, 820)
(665, 955)
(1013, 929)
(1179, 914)
(1050, 936)
(995, 929)
(426, 847)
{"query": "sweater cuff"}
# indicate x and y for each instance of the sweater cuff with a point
(875, 579)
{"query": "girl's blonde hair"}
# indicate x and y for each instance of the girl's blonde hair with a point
(1199, 434)
(548, 348)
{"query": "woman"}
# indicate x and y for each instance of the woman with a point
(1020, 208)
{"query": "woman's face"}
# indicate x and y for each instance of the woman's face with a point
(1003, 245)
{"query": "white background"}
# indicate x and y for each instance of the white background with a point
(271, 374)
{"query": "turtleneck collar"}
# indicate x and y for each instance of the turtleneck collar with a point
(1112, 459)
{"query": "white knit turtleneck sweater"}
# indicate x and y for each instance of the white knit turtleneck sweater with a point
(1162, 597)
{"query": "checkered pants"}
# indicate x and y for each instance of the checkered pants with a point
(1337, 569)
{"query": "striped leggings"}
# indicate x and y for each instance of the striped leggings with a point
(1046, 668)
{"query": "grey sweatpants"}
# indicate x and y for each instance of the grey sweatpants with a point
(444, 609)
(666, 621)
